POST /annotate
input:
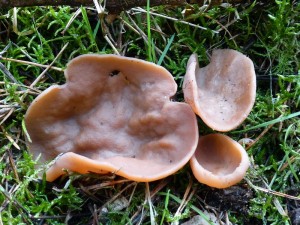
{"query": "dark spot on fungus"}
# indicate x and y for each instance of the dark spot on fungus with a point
(114, 73)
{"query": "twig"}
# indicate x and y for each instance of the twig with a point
(13, 164)
(259, 136)
(7, 116)
(286, 164)
(140, 211)
(18, 205)
(171, 18)
(113, 6)
(8, 74)
(48, 67)
(148, 197)
(31, 63)
(276, 193)
(143, 35)
(184, 200)
(105, 184)
(113, 198)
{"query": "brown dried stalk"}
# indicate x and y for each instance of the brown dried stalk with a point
(113, 6)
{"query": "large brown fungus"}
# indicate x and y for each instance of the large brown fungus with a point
(223, 92)
(114, 114)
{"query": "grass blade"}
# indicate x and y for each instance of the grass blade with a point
(279, 119)
(161, 58)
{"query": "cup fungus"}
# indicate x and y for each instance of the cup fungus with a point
(113, 114)
(219, 161)
(223, 92)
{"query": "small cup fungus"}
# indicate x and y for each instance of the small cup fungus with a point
(219, 161)
(114, 114)
(223, 92)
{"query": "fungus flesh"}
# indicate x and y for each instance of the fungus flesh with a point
(113, 114)
(223, 92)
(219, 161)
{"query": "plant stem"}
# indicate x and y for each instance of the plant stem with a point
(150, 58)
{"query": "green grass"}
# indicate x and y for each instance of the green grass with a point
(267, 32)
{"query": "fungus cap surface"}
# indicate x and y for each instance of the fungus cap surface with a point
(223, 92)
(113, 114)
(219, 161)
